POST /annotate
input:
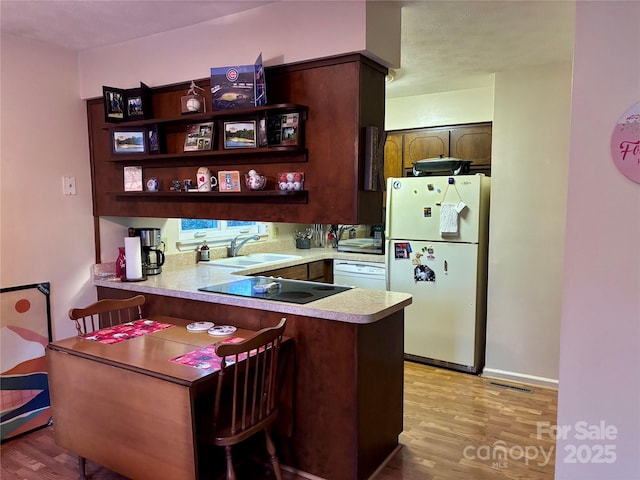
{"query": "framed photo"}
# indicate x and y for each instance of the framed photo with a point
(114, 104)
(122, 105)
(199, 136)
(262, 132)
(132, 179)
(284, 129)
(128, 140)
(154, 139)
(138, 103)
(240, 134)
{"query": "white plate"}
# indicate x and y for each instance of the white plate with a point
(199, 326)
(221, 330)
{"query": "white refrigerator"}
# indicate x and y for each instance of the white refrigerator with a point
(437, 236)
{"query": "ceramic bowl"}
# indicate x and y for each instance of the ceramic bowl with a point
(255, 181)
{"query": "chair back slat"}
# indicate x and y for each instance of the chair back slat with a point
(252, 392)
(108, 312)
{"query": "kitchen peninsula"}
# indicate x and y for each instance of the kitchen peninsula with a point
(348, 362)
(349, 347)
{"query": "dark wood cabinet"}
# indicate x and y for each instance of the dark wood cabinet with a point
(393, 166)
(340, 96)
(348, 395)
(427, 143)
(467, 142)
(318, 271)
(472, 142)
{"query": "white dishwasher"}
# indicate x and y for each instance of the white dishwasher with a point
(355, 273)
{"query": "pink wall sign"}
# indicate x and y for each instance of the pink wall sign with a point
(625, 143)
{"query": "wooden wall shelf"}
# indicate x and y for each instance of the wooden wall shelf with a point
(296, 154)
(336, 98)
(216, 115)
(288, 196)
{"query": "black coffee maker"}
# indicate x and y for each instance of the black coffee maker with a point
(152, 254)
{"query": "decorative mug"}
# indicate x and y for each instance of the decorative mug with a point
(206, 181)
(188, 184)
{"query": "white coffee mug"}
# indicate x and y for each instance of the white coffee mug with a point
(206, 181)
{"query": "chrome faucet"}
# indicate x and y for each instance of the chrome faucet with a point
(233, 248)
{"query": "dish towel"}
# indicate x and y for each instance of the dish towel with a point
(449, 219)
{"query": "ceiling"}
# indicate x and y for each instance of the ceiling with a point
(446, 45)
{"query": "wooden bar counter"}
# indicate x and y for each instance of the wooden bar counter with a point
(349, 353)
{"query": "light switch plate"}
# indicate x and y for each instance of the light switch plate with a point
(68, 185)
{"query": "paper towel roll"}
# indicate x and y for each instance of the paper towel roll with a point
(133, 256)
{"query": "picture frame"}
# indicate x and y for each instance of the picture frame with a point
(154, 139)
(132, 179)
(122, 105)
(240, 134)
(199, 136)
(138, 103)
(114, 104)
(262, 132)
(129, 140)
(284, 129)
(26, 311)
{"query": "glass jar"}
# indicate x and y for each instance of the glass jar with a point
(204, 252)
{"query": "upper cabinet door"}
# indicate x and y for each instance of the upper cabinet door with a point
(430, 143)
(393, 156)
(472, 142)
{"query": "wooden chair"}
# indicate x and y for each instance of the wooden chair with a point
(108, 312)
(247, 403)
(112, 312)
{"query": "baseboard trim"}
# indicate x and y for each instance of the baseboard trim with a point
(310, 476)
(386, 460)
(520, 378)
(300, 473)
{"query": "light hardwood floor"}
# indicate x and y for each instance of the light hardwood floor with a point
(456, 426)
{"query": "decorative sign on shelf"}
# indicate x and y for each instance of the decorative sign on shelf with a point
(229, 181)
(239, 86)
(625, 144)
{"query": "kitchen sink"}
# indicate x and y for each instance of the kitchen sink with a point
(251, 260)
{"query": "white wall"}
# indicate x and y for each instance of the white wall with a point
(284, 32)
(45, 236)
(600, 334)
(473, 105)
(49, 237)
(530, 152)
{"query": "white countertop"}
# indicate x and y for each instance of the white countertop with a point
(357, 305)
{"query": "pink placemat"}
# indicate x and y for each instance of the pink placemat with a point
(205, 358)
(125, 331)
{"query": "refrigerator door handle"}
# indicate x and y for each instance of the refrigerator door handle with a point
(446, 267)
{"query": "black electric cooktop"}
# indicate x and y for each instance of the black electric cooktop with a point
(292, 291)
